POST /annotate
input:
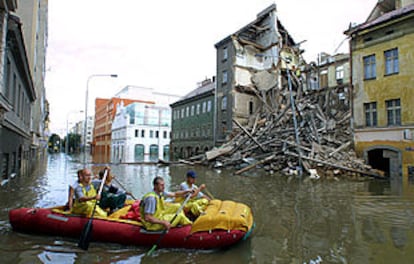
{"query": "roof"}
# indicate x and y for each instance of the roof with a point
(256, 24)
(204, 89)
(382, 19)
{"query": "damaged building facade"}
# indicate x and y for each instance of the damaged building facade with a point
(252, 57)
(382, 51)
(275, 111)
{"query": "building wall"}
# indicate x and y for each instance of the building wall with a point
(34, 17)
(141, 133)
(16, 97)
(254, 53)
(225, 60)
(397, 33)
(193, 130)
(105, 110)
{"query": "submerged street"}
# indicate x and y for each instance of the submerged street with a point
(297, 220)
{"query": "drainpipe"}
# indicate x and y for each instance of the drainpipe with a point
(215, 114)
(351, 92)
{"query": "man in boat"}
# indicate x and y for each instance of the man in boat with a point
(86, 195)
(199, 200)
(72, 187)
(156, 214)
(112, 197)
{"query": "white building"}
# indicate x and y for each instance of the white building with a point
(140, 133)
(147, 94)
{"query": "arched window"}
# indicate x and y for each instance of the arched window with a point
(153, 152)
(139, 152)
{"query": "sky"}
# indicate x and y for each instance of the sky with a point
(166, 45)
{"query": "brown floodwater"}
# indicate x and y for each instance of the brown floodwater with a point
(297, 220)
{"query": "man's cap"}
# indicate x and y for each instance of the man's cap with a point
(191, 174)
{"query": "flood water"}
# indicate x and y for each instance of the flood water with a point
(297, 220)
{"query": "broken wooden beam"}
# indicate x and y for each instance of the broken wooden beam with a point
(247, 133)
(251, 166)
(375, 175)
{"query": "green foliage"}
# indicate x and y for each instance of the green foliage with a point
(74, 143)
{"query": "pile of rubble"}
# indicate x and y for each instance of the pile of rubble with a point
(294, 131)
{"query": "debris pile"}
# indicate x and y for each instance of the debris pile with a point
(293, 131)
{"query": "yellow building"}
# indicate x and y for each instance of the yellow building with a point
(382, 56)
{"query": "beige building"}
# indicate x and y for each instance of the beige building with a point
(382, 52)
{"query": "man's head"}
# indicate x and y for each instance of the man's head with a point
(159, 184)
(191, 176)
(86, 175)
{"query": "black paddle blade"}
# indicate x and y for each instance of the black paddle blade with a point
(85, 237)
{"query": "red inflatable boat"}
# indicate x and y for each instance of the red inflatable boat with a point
(224, 224)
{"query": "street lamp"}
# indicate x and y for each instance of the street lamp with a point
(86, 109)
(67, 129)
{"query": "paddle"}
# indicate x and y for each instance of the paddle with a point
(120, 185)
(208, 193)
(165, 230)
(87, 229)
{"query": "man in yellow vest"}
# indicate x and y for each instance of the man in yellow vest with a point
(199, 200)
(156, 214)
(86, 195)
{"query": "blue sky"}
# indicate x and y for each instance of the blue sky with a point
(167, 45)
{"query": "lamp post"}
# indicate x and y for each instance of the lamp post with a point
(86, 109)
(67, 129)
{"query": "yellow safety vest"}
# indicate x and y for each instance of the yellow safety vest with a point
(86, 208)
(160, 207)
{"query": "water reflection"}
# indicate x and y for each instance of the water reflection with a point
(297, 221)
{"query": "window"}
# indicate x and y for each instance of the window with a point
(136, 133)
(339, 72)
(225, 53)
(198, 109)
(187, 111)
(151, 134)
(164, 134)
(157, 134)
(143, 133)
(391, 61)
(393, 112)
(182, 113)
(225, 77)
(224, 103)
(204, 107)
(251, 107)
(370, 114)
(369, 67)
(192, 110)
(209, 106)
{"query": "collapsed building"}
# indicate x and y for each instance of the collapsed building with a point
(271, 111)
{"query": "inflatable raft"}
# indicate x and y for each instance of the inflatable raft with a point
(223, 224)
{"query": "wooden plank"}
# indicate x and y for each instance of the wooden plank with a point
(368, 173)
(251, 166)
(214, 153)
(247, 133)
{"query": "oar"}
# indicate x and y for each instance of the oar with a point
(208, 193)
(87, 229)
(120, 185)
(165, 230)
